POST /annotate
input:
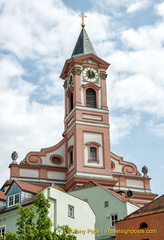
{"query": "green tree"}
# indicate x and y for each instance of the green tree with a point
(66, 234)
(43, 224)
(34, 223)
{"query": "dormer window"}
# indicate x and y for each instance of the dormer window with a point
(13, 199)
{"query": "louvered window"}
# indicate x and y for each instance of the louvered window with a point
(90, 98)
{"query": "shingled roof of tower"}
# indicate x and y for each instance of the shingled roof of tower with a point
(83, 45)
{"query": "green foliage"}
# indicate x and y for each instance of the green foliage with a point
(34, 223)
(66, 234)
(43, 224)
(10, 236)
(26, 225)
(1, 237)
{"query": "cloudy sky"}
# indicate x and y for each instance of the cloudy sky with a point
(36, 37)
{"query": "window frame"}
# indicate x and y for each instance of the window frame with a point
(14, 199)
(106, 203)
(94, 97)
(71, 101)
(71, 213)
(96, 89)
(96, 146)
(70, 156)
(113, 221)
(57, 156)
(2, 227)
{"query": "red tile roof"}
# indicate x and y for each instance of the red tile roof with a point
(117, 195)
(57, 187)
(28, 187)
(2, 196)
(86, 185)
(155, 206)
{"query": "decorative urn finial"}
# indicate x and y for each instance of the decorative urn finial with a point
(14, 157)
(145, 171)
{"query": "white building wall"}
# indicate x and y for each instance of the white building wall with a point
(71, 141)
(131, 208)
(60, 151)
(84, 218)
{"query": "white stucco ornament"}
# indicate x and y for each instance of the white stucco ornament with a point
(14, 157)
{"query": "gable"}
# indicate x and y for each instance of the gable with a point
(14, 188)
(85, 60)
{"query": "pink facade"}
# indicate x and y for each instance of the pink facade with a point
(84, 152)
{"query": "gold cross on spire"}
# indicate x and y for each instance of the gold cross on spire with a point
(82, 16)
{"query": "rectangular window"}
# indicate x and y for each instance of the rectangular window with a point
(71, 157)
(16, 198)
(70, 211)
(93, 153)
(106, 204)
(114, 219)
(2, 230)
(13, 199)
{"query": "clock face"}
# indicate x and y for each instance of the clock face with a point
(70, 81)
(90, 74)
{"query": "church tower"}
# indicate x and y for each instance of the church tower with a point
(86, 123)
(83, 156)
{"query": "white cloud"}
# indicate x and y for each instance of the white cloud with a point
(138, 5)
(35, 27)
(122, 125)
(159, 8)
(139, 94)
(114, 6)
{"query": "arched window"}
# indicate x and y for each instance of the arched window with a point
(90, 98)
(143, 225)
(70, 155)
(71, 101)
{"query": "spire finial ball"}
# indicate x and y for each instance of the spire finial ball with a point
(82, 16)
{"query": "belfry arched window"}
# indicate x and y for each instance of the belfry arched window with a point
(90, 98)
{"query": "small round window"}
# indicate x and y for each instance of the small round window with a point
(56, 160)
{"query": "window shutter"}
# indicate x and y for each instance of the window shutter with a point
(90, 98)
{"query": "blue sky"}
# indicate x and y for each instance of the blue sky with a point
(36, 39)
